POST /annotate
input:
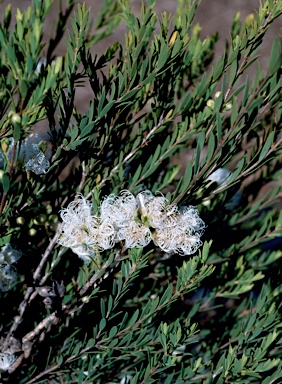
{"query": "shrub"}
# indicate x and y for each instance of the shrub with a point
(117, 264)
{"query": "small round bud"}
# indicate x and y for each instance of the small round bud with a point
(40, 219)
(85, 299)
(15, 118)
(20, 220)
(48, 209)
(53, 219)
(210, 104)
(32, 232)
(1, 174)
(250, 19)
(217, 94)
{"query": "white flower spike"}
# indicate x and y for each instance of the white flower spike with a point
(133, 221)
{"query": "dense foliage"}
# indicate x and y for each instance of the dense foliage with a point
(173, 130)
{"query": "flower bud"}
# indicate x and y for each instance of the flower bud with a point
(40, 219)
(210, 104)
(32, 232)
(58, 64)
(48, 209)
(52, 219)
(20, 220)
(15, 118)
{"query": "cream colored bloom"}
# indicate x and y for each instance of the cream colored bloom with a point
(134, 235)
(79, 229)
(133, 221)
(157, 210)
(191, 221)
(119, 209)
(177, 240)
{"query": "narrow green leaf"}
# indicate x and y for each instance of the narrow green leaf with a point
(267, 146)
(102, 324)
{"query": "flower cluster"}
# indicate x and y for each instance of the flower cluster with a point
(8, 273)
(30, 155)
(134, 221)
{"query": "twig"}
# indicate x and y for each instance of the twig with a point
(17, 319)
(37, 272)
(31, 292)
(49, 319)
(83, 177)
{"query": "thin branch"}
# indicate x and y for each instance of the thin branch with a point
(51, 319)
(83, 177)
(51, 245)
(17, 319)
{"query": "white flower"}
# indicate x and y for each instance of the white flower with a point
(177, 240)
(9, 254)
(119, 209)
(106, 235)
(157, 210)
(78, 212)
(42, 62)
(183, 237)
(35, 160)
(6, 361)
(191, 221)
(79, 229)
(135, 235)
(29, 154)
(133, 221)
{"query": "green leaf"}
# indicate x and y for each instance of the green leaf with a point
(102, 324)
(130, 95)
(106, 109)
(113, 332)
(267, 146)
(218, 125)
(164, 54)
(6, 182)
(275, 60)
